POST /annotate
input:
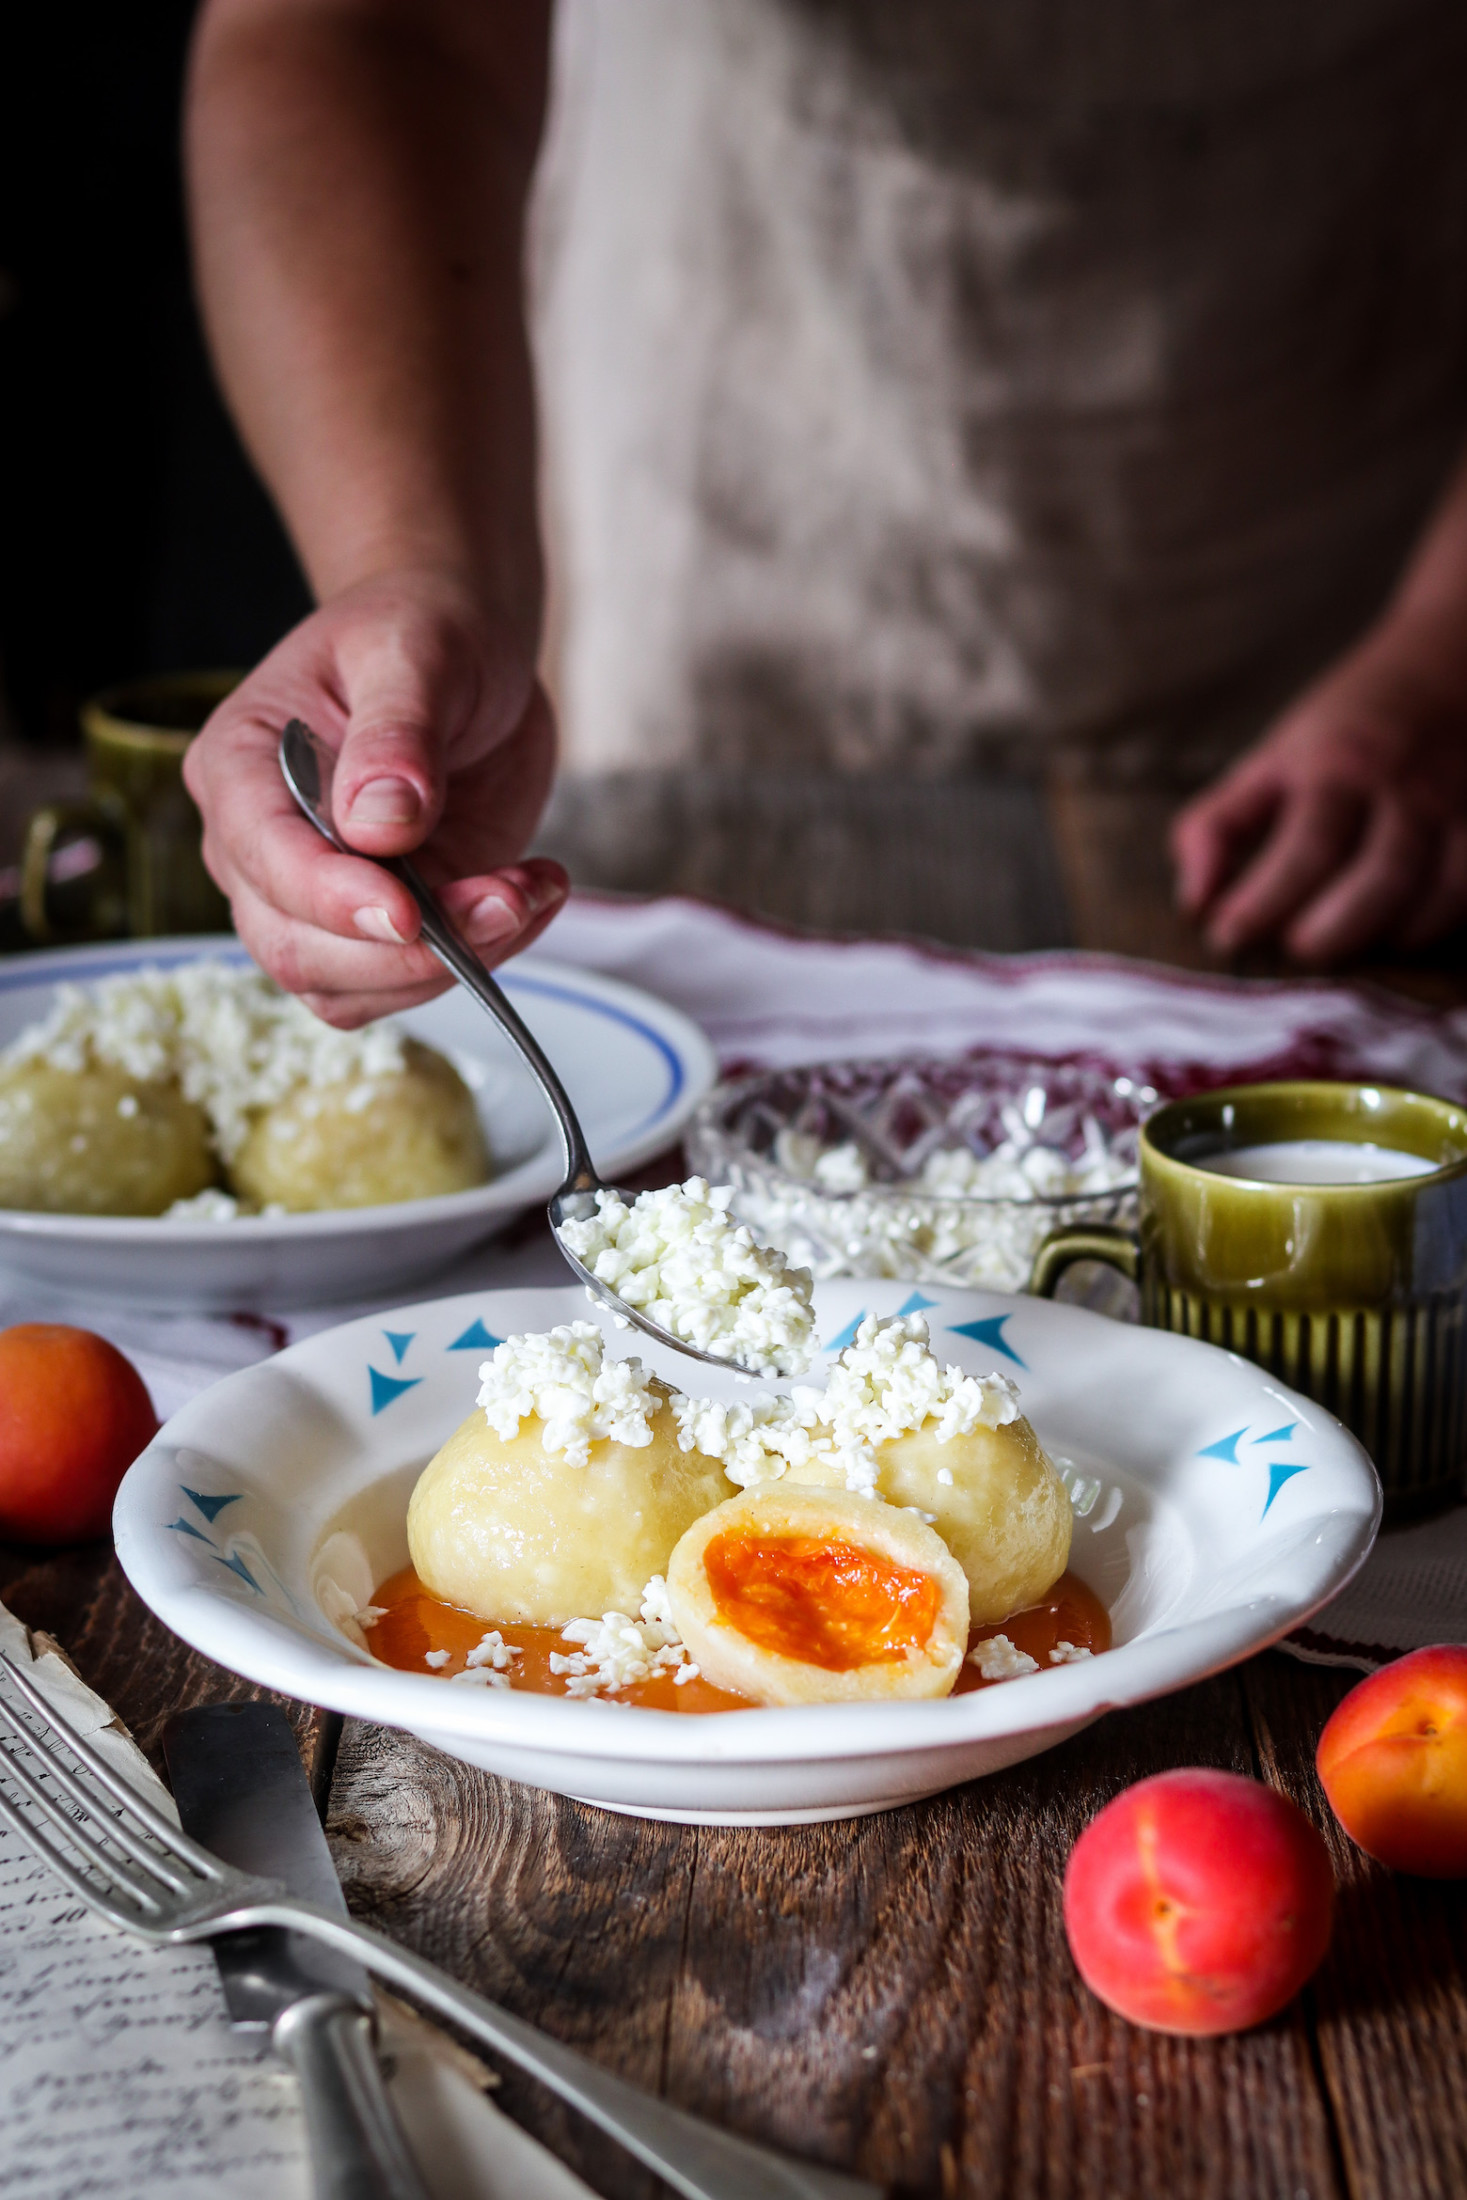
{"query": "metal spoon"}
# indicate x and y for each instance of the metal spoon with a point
(308, 764)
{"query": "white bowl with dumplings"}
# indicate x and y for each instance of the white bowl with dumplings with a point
(1214, 1511)
(634, 1067)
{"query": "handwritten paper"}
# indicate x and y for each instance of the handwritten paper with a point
(121, 2079)
(119, 2073)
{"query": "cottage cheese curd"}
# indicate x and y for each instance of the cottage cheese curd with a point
(998, 1659)
(887, 1382)
(964, 1216)
(678, 1256)
(615, 1651)
(566, 1381)
(232, 1040)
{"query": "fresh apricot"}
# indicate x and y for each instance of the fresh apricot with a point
(1198, 1902)
(74, 1414)
(1393, 1759)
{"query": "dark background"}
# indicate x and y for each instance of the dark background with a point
(134, 536)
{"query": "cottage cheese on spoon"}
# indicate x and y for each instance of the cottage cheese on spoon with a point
(679, 1257)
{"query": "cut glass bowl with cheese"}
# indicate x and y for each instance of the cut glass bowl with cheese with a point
(950, 1170)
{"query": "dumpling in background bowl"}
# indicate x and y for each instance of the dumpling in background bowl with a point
(97, 1141)
(367, 1141)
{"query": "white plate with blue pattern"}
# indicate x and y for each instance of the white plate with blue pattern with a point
(1215, 1510)
(634, 1067)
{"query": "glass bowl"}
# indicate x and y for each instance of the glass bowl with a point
(950, 1170)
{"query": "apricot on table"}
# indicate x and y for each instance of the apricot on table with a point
(74, 1414)
(1198, 1902)
(1393, 1760)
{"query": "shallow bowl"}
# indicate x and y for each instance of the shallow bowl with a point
(1214, 1511)
(634, 1067)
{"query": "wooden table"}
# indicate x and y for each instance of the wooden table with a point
(894, 1993)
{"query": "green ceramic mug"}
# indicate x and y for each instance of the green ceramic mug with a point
(150, 878)
(1353, 1292)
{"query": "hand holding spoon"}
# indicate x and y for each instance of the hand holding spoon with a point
(308, 764)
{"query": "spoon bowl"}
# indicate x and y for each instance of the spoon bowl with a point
(307, 765)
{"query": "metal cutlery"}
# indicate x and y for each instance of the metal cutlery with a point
(126, 1861)
(241, 1792)
(307, 765)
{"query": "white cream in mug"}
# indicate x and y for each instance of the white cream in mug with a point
(1317, 1161)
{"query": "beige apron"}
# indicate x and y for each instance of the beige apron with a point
(925, 375)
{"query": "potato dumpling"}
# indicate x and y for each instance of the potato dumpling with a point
(511, 1531)
(98, 1142)
(1003, 1511)
(367, 1143)
(796, 1595)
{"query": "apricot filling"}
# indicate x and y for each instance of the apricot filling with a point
(835, 1605)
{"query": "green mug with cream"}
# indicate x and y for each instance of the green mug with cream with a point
(1320, 1230)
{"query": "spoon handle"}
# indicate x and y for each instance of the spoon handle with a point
(308, 766)
(457, 956)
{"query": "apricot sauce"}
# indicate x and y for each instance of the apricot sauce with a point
(415, 1622)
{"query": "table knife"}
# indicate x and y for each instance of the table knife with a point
(241, 1790)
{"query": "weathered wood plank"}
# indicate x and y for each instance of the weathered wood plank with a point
(892, 1994)
(1391, 1996)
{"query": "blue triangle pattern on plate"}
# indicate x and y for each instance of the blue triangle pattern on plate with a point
(238, 1566)
(847, 1335)
(989, 1332)
(1284, 1435)
(387, 1387)
(476, 1338)
(186, 1527)
(1281, 1471)
(914, 1305)
(210, 1507)
(399, 1340)
(1226, 1447)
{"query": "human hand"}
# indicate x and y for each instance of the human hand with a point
(1346, 825)
(446, 749)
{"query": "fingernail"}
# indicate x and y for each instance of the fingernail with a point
(490, 919)
(545, 893)
(385, 802)
(377, 925)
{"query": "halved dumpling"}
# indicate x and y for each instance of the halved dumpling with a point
(994, 1498)
(410, 1135)
(96, 1141)
(796, 1595)
(513, 1532)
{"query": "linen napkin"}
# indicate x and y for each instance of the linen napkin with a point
(120, 2075)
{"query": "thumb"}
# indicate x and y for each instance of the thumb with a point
(391, 771)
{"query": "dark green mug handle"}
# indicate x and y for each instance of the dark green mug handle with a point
(1085, 1241)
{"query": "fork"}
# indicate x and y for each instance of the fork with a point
(142, 1873)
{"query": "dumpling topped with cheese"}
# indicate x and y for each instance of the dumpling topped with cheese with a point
(565, 1490)
(96, 1141)
(151, 1087)
(893, 1422)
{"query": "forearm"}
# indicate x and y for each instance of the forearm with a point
(1431, 597)
(358, 171)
